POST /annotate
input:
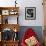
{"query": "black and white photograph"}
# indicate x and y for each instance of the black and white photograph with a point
(30, 13)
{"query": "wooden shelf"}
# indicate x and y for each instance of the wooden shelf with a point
(11, 26)
(4, 13)
(5, 8)
(9, 43)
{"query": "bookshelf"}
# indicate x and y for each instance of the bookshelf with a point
(9, 23)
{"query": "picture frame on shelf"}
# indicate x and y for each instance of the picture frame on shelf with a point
(30, 13)
(5, 12)
(7, 34)
(13, 12)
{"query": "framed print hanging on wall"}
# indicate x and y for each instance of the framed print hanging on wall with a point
(30, 13)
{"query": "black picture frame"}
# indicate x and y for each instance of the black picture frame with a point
(30, 13)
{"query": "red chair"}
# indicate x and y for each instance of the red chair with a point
(29, 33)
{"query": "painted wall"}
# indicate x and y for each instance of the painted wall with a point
(27, 3)
(39, 12)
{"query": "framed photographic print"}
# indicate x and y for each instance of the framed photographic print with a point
(30, 13)
(5, 12)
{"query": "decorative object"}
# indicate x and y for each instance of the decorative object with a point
(5, 12)
(30, 13)
(15, 37)
(15, 30)
(30, 38)
(15, 3)
(7, 34)
(6, 21)
(31, 41)
(13, 12)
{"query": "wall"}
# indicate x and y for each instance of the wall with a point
(39, 12)
(27, 3)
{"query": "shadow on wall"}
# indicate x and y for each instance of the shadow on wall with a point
(37, 29)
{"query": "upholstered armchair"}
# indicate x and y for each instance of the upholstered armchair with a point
(30, 38)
